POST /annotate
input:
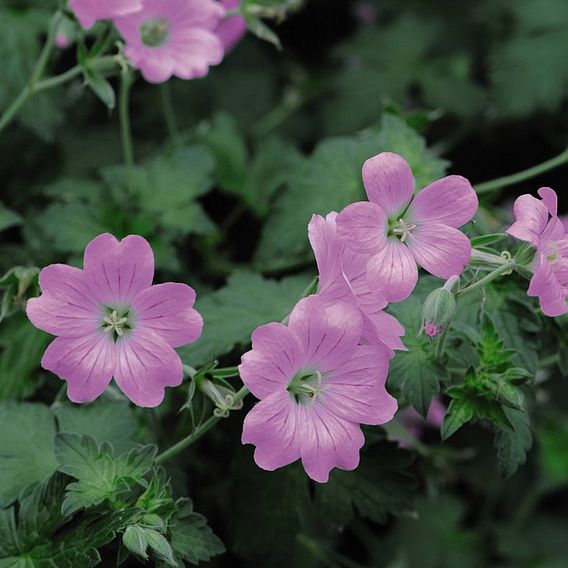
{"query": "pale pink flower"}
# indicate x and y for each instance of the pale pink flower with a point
(316, 385)
(397, 231)
(89, 11)
(232, 29)
(415, 423)
(173, 37)
(111, 322)
(343, 277)
(537, 223)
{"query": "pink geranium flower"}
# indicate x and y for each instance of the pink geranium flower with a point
(343, 277)
(89, 11)
(397, 231)
(173, 37)
(537, 223)
(316, 385)
(232, 29)
(111, 322)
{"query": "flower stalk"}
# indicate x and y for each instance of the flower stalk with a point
(500, 183)
(199, 431)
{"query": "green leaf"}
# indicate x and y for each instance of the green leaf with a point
(261, 30)
(105, 421)
(192, 539)
(415, 372)
(36, 535)
(552, 438)
(232, 313)
(267, 532)
(101, 87)
(160, 547)
(460, 411)
(21, 349)
(21, 34)
(19, 284)
(380, 486)
(438, 520)
(134, 538)
(26, 448)
(229, 149)
(513, 445)
(8, 218)
(100, 475)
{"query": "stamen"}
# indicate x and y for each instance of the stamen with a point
(403, 230)
(306, 386)
(114, 323)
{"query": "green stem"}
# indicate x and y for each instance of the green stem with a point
(499, 183)
(125, 129)
(31, 87)
(169, 112)
(198, 432)
(499, 271)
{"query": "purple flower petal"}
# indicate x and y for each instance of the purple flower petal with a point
(384, 329)
(546, 286)
(65, 307)
(449, 201)
(550, 199)
(531, 219)
(276, 355)
(329, 334)
(167, 309)
(231, 30)
(328, 249)
(394, 271)
(362, 227)
(89, 11)
(86, 363)
(328, 441)
(145, 365)
(441, 250)
(273, 427)
(389, 182)
(118, 270)
(356, 390)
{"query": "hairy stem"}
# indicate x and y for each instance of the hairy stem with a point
(499, 183)
(31, 87)
(199, 431)
(499, 271)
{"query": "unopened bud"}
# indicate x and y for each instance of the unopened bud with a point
(439, 309)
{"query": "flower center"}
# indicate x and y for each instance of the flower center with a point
(117, 322)
(306, 386)
(401, 229)
(154, 32)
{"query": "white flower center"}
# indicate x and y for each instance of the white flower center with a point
(154, 32)
(403, 230)
(115, 324)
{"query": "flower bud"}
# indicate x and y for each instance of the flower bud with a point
(439, 309)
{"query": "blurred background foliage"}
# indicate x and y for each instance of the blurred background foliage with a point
(224, 195)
